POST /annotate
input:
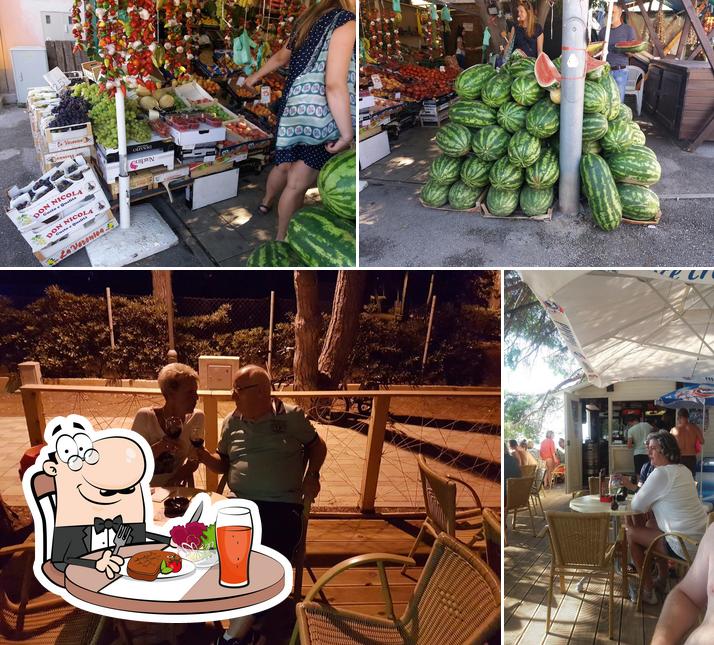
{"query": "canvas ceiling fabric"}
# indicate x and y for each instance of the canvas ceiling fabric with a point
(631, 325)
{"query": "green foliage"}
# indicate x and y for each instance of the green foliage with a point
(525, 414)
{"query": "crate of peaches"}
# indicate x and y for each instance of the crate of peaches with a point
(241, 130)
(263, 113)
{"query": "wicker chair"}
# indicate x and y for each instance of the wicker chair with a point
(492, 529)
(441, 514)
(518, 491)
(457, 594)
(651, 553)
(537, 487)
(558, 471)
(529, 470)
(579, 546)
(594, 485)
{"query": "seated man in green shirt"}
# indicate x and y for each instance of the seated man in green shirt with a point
(263, 447)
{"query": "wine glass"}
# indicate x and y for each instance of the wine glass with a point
(174, 426)
(196, 437)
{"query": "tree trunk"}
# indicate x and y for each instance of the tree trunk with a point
(494, 300)
(307, 330)
(344, 323)
(163, 294)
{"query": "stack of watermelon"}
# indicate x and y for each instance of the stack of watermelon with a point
(320, 235)
(503, 136)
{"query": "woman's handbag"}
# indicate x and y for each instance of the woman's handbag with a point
(306, 118)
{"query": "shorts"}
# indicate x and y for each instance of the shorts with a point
(690, 461)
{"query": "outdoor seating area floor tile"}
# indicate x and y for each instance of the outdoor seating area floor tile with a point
(577, 617)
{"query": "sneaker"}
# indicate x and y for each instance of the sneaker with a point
(581, 585)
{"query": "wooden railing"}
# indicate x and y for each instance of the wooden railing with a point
(35, 417)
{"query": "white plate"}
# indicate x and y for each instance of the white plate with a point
(187, 568)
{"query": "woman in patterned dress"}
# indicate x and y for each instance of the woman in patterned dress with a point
(296, 168)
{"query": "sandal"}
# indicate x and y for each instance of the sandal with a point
(263, 209)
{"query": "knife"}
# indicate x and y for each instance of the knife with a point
(197, 513)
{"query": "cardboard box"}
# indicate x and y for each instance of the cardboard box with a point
(156, 144)
(141, 179)
(373, 149)
(57, 201)
(194, 93)
(203, 153)
(66, 138)
(96, 207)
(51, 159)
(61, 250)
(205, 134)
(213, 188)
(92, 70)
(171, 175)
(136, 161)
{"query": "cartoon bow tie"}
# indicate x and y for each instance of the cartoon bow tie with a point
(103, 525)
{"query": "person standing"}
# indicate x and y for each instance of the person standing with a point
(619, 32)
(328, 25)
(637, 432)
(687, 434)
(460, 48)
(549, 456)
(526, 34)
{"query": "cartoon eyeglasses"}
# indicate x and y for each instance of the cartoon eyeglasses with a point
(76, 451)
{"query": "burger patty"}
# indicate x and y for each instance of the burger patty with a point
(146, 565)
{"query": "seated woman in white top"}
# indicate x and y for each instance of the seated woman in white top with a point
(170, 429)
(671, 495)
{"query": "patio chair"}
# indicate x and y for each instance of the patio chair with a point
(492, 529)
(529, 470)
(579, 546)
(441, 515)
(456, 595)
(536, 488)
(651, 553)
(518, 491)
(558, 471)
(298, 560)
(594, 485)
(634, 76)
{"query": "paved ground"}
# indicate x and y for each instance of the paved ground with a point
(223, 234)
(395, 230)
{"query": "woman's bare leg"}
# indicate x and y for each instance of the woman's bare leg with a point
(275, 184)
(300, 178)
(639, 539)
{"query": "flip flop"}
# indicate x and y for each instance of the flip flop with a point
(263, 209)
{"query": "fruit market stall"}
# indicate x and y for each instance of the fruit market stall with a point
(188, 120)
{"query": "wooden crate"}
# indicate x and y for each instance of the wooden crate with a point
(60, 54)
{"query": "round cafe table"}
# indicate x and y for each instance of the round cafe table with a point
(199, 592)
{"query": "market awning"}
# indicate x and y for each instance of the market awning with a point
(631, 325)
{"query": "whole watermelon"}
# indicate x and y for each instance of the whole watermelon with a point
(490, 143)
(520, 66)
(469, 83)
(462, 197)
(638, 148)
(435, 194)
(497, 91)
(619, 137)
(543, 173)
(472, 114)
(601, 192)
(274, 254)
(543, 119)
(506, 175)
(501, 202)
(512, 117)
(322, 240)
(635, 167)
(625, 112)
(594, 126)
(638, 137)
(523, 149)
(454, 139)
(608, 83)
(638, 202)
(474, 172)
(526, 91)
(592, 147)
(336, 183)
(536, 201)
(445, 169)
(595, 99)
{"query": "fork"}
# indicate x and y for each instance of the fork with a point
(121, 538)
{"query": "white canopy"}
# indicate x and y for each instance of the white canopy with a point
(630, 325)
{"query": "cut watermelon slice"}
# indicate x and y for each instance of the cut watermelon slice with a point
(631, 46)
(594, 68)
(546, 72)
(595, 48)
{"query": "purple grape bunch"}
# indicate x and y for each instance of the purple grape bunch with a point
(71, 110)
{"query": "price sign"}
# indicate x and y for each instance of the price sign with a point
(376, 82)
(442, 69)
(56, 79)
(265, 94)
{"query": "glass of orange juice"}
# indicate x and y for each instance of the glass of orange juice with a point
(234, 534)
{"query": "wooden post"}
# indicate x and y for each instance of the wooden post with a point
(30, 374)
(270, 333)
(111, 319)
(210, 412)
(684, 34)
(428, 333)
(651, 30)
(431, 289)
(404, 292)
(699, 30)
(373, 453)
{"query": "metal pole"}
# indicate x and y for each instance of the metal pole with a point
(428, 333)
(571, 103)
(111, 320)
(124, 214)
(431, 288)
(608, 23)
(270, 332)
